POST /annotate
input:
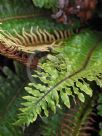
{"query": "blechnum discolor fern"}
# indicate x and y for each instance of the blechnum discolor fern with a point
(78, 61)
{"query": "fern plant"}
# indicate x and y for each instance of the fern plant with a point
(73, 62)
(77, 59)
(77, 121)
(11, 90)
(24, 32)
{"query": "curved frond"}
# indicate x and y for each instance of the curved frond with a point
(80, 59)
(24, 32)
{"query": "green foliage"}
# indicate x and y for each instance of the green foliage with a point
(25, 31)
(10, 8)
(41, 22)
(71, 122)
(52, 124)
(18, 15)
(21, 16)
(100, 105)
(21, 27)
(11, 89)
(100, 112)
(45, 3)
(64, 61)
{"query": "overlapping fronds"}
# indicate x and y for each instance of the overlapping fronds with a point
(24, 31)
(20, 41)
(64, 75)
(11, 89)
(77, 121)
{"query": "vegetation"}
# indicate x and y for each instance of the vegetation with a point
(54, 79)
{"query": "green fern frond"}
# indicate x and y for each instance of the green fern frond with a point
(34, 36)
(77, 121)
(51, 125)
(23, 32)
(45, 3)
(11, 89)
(10, 9)
(81, 60)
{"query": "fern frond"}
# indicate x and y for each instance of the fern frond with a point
(23, 32)
(99, 108)
(29, 42)
(77, 121)
(45, 3)
(51, 125)
(25, 37)
(16, 10)
(11, 89)
(68, 60)
(80, 124)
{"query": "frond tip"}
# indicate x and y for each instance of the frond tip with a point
(78, 60)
